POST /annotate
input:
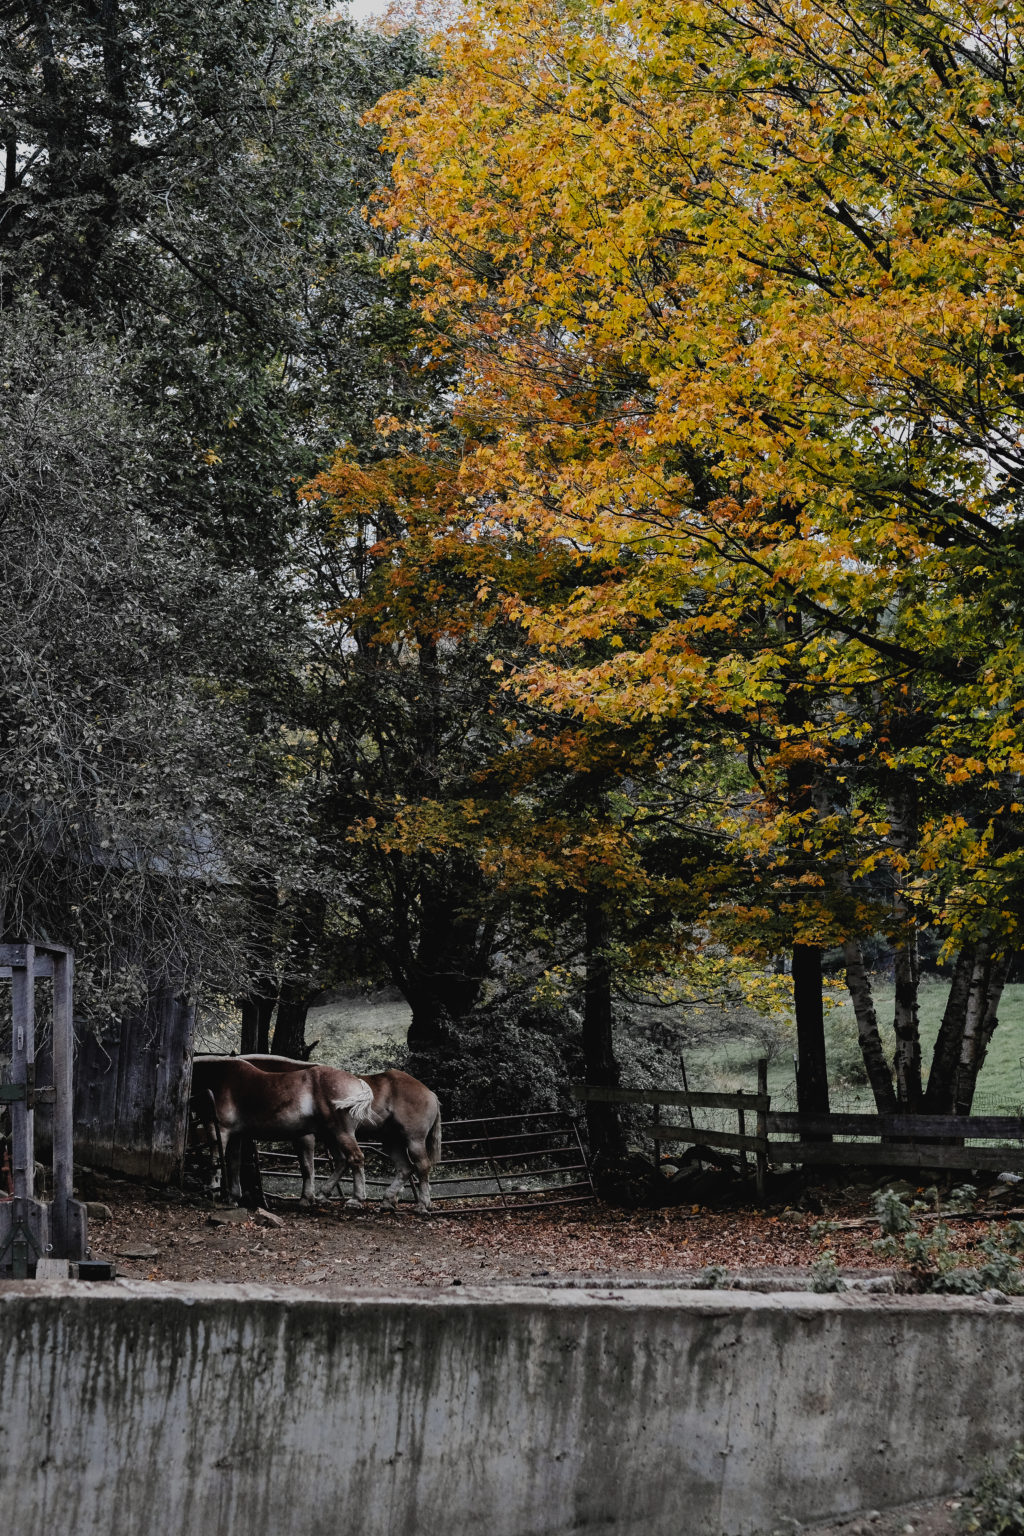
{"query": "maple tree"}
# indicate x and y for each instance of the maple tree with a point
(736, 293)
(479, 840)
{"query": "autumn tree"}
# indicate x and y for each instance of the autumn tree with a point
(736, 289)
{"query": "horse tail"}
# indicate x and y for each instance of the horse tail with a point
(434, 1141)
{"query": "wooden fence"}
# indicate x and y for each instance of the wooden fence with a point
(890, 1141)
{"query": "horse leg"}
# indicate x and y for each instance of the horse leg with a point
(354, 1155)
(233, 1160)
(305, 1148)
(403, 1174)
(417, 1153)
(348, 1154)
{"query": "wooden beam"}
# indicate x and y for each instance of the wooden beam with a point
(23, 1058)
(593, 1093)
(41, 968)
(914, 1127)
(700, 1138)
(896, 1155)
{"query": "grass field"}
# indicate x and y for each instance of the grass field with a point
(364, 1034)
(1000, 1087)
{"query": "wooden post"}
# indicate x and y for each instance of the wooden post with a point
(67, 1241)
(23, 1065)
(741, 1117)
(761, 1157)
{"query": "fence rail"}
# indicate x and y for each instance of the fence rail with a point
(504, 1163)
(908, 1141)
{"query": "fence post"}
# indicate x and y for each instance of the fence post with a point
(761, 1157)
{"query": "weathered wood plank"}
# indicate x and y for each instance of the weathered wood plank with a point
(896, 1154)
(69, 1242)
(593, 1093)
(131, 1095)
(23, 1059)
(701, 1138)
(951, 1127)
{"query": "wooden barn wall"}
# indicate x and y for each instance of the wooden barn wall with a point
(131, 1090)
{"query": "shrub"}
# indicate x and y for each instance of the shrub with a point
(996, 1507)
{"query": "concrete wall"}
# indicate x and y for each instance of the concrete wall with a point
(172, 1410)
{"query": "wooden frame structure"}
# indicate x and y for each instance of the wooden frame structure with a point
(32, 1229)
(895, 1141)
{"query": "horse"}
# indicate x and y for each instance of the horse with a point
(310, 1099)
(408, 1116)
(288, 1105)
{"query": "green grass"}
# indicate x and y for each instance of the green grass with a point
(364, 1034)
(1000, 1087)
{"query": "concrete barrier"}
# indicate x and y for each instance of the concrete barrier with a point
(139, 1409)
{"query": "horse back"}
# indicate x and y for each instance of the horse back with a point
(402, 1098)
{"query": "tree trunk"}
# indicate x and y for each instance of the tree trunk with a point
(604, 1128)
(428, 1030)
(987, 981)
(905, 1023)
(879, 1074)
(812, 1070)
(940, 1095)
(297, 986)
(257, 1005)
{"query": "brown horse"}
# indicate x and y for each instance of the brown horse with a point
(297, 1101)
(281, 1105)
(408, 1117)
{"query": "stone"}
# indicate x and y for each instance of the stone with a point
(997, 1298)
(267, 1219)
(229, 1217)
(97, 1211)
(52, 1269)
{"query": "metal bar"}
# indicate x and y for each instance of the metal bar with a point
(23, 1052)
(583, 1155)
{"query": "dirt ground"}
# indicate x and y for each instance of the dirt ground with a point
(163, 1236)
(936, 1517)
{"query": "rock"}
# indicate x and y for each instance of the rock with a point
(140, 1251)
(52, 1269)
(997, 1298)
(229, 1217)
(96, 1211)
(1009, 1178)
(267, 1219)
(901, 1187)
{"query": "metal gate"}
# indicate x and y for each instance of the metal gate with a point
(498, 1163)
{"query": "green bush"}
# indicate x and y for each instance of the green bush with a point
(996, 1507)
